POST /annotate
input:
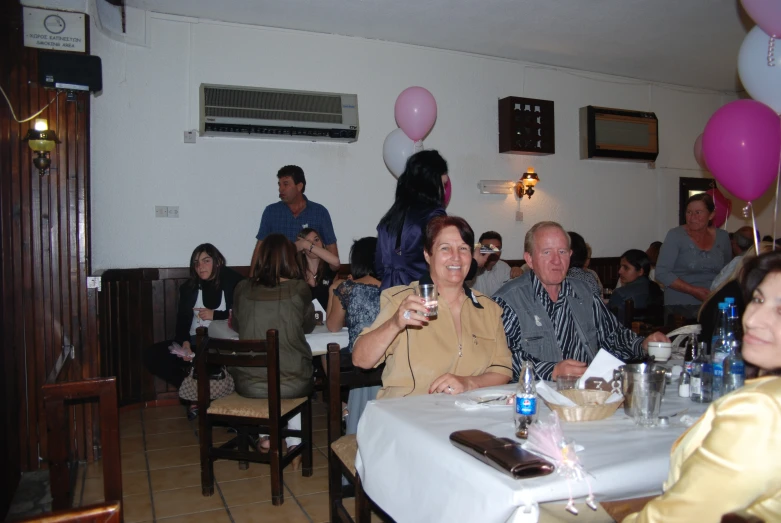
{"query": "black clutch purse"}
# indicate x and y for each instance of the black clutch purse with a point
(503, 454)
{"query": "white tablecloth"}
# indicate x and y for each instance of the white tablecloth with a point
(410, 469)
(318, 340)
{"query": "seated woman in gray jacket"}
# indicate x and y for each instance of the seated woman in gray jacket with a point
(276, 297)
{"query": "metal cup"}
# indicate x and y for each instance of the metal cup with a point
(647, 378)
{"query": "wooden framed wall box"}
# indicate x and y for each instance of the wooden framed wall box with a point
(526, 126)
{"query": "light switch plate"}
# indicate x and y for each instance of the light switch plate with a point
(161, 211)
(190, 136)
(518, 216)
(173, 211)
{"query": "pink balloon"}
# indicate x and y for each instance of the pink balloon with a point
(741, 145)
(448, 191)
(766, 13)
(416, 112)
(698, 153)
(723, 207)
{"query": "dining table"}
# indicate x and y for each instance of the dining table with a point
(318, 339)
(410, 469)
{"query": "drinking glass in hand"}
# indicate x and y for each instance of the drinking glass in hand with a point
(428, 291)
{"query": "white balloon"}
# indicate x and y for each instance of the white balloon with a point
(398, 147)
(761, 81)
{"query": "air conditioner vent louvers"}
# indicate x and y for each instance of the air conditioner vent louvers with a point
(232, 112)
(240, 103)
(269, 113)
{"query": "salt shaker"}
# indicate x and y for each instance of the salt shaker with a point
(684, 386)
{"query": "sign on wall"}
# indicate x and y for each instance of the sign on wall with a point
(54, 30)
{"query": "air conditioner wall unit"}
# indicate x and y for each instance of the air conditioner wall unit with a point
(255, 112)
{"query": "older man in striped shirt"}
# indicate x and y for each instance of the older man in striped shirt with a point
(557, 323)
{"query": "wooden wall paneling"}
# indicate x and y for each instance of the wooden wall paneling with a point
(158, 326)
(146, 310)
(10, 400)
(45, 258)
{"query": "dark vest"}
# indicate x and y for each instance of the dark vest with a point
(537, 331)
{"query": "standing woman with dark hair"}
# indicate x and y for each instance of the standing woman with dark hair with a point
(692, 255)
(420, 196)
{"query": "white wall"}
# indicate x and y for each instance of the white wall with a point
(221, 186)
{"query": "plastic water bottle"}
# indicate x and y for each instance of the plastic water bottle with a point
(525, 401)
(719, 349)
(734, 369)
(701, 375)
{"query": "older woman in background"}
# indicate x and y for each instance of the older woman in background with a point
(463, 348)
(727, 462)
(691, 257)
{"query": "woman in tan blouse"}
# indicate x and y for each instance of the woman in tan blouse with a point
(462, 348)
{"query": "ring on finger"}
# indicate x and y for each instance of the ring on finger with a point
(450, 389)
(407, 314)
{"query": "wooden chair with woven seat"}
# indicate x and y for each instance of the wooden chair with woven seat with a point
(250, 416)
(343, 449)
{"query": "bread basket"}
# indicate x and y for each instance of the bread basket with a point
(591, 405)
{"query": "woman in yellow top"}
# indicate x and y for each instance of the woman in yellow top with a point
(462, 348)
(730, 461)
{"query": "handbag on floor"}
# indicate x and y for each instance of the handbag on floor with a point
(220, 384)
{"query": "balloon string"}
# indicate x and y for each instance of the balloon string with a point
(775, 209)
(754, 224)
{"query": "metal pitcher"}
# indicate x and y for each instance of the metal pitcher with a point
(640, 376)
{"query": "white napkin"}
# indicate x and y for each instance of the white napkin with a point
(220, 329)
(552, 396)
(616, 396)
(602, 367)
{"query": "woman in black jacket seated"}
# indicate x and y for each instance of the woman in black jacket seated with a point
(206, 296)
(635, 285)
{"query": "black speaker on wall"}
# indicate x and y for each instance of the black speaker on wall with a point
(79, 72)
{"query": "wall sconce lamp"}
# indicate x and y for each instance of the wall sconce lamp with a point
(526, 184)
(41, 141)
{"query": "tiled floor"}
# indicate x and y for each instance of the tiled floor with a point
(161, 476)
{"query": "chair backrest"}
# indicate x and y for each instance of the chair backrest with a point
(103, 513)
(54, 397)
(340, 378)
(238, 353)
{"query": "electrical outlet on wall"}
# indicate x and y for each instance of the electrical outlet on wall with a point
(189, 136)
(173, 211)
(161, 211)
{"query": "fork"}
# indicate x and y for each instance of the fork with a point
(500, 398)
